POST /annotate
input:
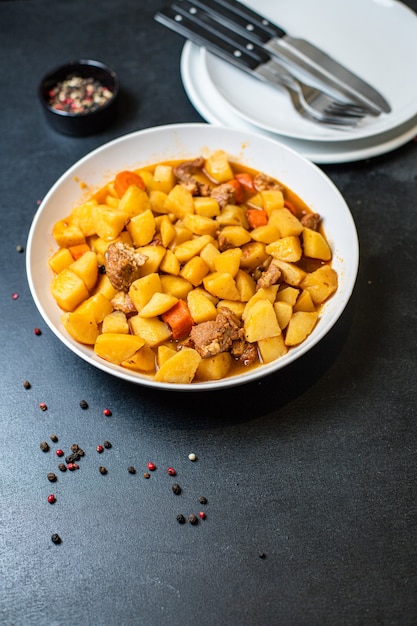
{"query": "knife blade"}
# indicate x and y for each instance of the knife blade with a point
(201, 28)
(298, 52)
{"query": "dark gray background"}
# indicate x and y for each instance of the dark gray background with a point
(315, 466)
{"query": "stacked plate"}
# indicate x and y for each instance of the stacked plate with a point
(377, 39)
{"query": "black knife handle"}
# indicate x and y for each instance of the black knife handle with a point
(203, 36)
(202, 18)
(254, 25)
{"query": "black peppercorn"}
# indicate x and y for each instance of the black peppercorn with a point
(176, 489)
(53, 438)
(73, 458)
(131, 469)
(44, 446)
(62, 467)
(107, 444)
(101, 269)
(26, 384)
(180, 519)
(262, 555)
(102, 469)
(146, 475)
(202, 500)
(83, 404)
(193, 519)
(52, 477)
(56, 538)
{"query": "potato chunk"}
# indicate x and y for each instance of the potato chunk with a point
(261, 322)
(321, 284)
(68, 289)
(300, 326)
(115, 347)
(180, 368)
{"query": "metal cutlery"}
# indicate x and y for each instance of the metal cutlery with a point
(200, 27)
(299, 53)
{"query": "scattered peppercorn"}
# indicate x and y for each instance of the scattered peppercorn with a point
(15, 296)
(42, 406)
(19, 248)
(62, 467)
(180, 519)
(99, 449)
(44, 446)
(202, 500)
(101, 269)
(56, 538)
(83, 404)
(72, 466)
(107, 412)
(146, 475)
(192, 457)
(193, 519)
(262, 555)
(26, 384)
(176, 489)
(131, 469)
(53, 438)
(107, 445)
(151, 466)
(202, 515)
(171, 471)
(51, 498)
(37, 331)
(102, 469)
(52, 477)
(72, 458)
(59, 452)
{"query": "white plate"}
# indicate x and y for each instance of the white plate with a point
(377, 39)
(188, 141)
(213, 108)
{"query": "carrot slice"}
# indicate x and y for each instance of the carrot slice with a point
(238, 190)
(246, 180)
(257, 217)
(289, 205)
(179, 320)
(126, 178)
(78, 250)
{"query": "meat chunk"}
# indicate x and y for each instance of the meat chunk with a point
(211, 338)
(224, 194)
(311, 220)
(246, 352)
(122, 302)
(269, 277)
(123, 265)
(262, 182)
(184, 173)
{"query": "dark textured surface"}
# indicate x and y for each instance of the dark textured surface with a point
(315, 467)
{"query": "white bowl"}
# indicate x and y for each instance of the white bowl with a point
(184, 141)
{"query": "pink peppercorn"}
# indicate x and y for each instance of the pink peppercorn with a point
(51, 498)
(151, 466)
(171, 471)
(72, 466)
(107, 412)
(202, 515)
(37, 331)
(15, 296)
(60, 452)
(99, 449)
(42, 406)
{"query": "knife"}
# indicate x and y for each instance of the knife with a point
(203, 29)
(298, 52)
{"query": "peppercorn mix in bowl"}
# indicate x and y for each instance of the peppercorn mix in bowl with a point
(193, 257)
(80, 98)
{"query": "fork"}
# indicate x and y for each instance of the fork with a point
(195, 24)
(309, 101)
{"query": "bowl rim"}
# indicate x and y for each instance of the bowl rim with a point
(67, 67)
(254, 374)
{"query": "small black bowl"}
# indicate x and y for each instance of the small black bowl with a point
(86, 122)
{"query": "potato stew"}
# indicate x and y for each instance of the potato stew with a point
(191, 271)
